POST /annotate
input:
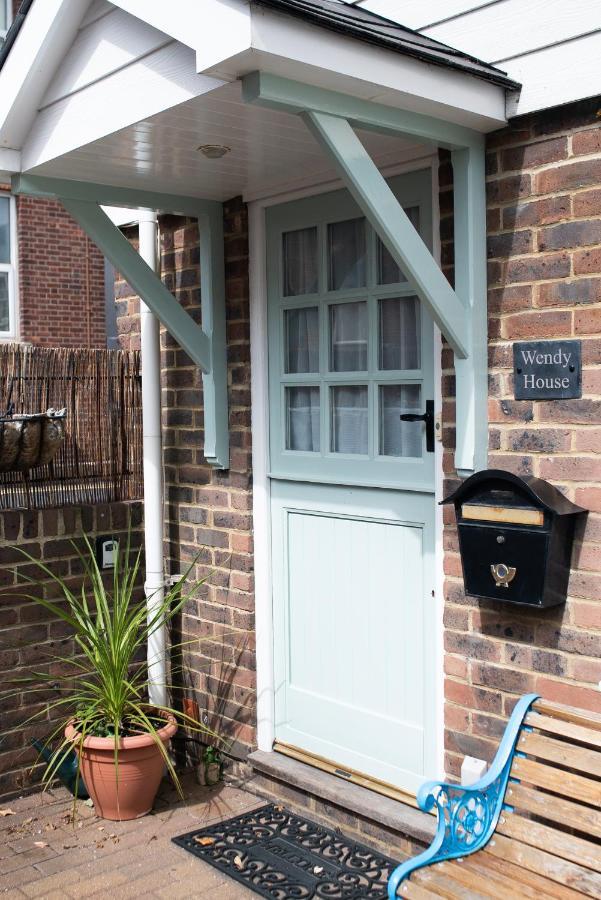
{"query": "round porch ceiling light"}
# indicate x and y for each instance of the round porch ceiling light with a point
(213, 151)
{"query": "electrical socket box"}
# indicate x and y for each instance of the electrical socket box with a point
(107, 548)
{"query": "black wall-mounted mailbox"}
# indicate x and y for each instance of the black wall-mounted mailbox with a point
(515, 538)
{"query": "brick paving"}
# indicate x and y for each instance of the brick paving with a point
(45, 855)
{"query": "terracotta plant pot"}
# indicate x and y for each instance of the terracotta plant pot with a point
(130, 793)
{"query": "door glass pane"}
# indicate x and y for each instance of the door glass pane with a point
(302, 340)
(300, 262)
(4, 304)
(4, 228)
(346, 255)
(388, 271)
(400, 438)
(399, 333)
(348, 337)
(349, 419)
(302, 418)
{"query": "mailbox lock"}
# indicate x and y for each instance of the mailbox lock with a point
(503, 574)
(500, 539)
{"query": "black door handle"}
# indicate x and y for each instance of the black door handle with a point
(428, 418)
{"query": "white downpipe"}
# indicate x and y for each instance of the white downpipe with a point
(154, 584)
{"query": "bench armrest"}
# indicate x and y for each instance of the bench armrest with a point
(467, 815)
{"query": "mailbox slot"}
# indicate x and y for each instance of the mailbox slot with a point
(515, 538)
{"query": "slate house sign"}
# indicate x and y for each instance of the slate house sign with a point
(547, 370)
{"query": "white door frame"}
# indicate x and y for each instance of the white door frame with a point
(260, 457)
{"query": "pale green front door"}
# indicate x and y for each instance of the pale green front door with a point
(352, 490)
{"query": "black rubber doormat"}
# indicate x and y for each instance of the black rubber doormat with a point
(280, 855)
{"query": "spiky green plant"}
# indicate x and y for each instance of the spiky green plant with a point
(104, 687)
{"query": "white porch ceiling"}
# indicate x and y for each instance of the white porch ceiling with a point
(271, 152)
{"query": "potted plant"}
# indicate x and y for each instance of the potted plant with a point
(121, 741)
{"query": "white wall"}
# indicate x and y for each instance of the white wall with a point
(552, 47)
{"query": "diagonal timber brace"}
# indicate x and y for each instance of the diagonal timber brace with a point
(460, 313)
(205, 345)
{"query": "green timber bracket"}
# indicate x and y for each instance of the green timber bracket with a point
(460, 313)
(205, 345)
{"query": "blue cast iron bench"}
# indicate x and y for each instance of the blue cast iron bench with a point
(530, 828)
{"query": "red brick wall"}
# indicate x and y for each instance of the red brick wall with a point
(61, 278)
(544, 248)
(29, 638)
(208, 511)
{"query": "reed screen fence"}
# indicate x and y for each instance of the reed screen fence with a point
(100, 460)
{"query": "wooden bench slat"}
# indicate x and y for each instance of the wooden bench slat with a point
(580, 758)
(563, 783)
(564, 729)
(494, 884)
(415, 891)
(445, 885)
(556, 809)
(560, 843)
(535, 860)
(568, 714)
(533, 883)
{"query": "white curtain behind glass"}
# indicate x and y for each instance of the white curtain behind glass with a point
(399, 333)
(400, 438)
(348, 330)
(349, 419)
(302, 411)
(300, 262)
(302, 340)
(347, 254)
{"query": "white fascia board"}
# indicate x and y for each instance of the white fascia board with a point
(284, 45)
(163, 79)
(10, 164)
(45, 36)
(215, 29)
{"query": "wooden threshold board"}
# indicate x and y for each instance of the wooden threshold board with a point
(358, 778)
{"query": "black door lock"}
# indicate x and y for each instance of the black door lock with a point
(428, 418)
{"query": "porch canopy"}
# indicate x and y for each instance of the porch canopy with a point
(106, 104)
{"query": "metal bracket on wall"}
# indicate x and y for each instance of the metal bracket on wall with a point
(205, 345)
(460, 313)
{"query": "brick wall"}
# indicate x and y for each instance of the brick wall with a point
(61, 278)
(208, 512)
(544, 248)
(28, 636)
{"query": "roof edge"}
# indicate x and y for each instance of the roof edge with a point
(298, 9)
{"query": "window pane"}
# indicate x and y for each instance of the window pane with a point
(302, 340)
(302, 418)
(399, 339)
(4, 228)
(349, 419)
(348, 337)
(346, 255)
(300, 262)
(400, 438)
(4, 303)
(388, 271)
(3, 23)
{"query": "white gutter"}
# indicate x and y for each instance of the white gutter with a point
(154, 584)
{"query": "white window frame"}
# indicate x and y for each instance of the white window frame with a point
(8, 8)
(12, 269)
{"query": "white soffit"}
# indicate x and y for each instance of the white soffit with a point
(270, 152)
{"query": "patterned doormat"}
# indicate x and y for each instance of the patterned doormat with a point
(280, 855)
